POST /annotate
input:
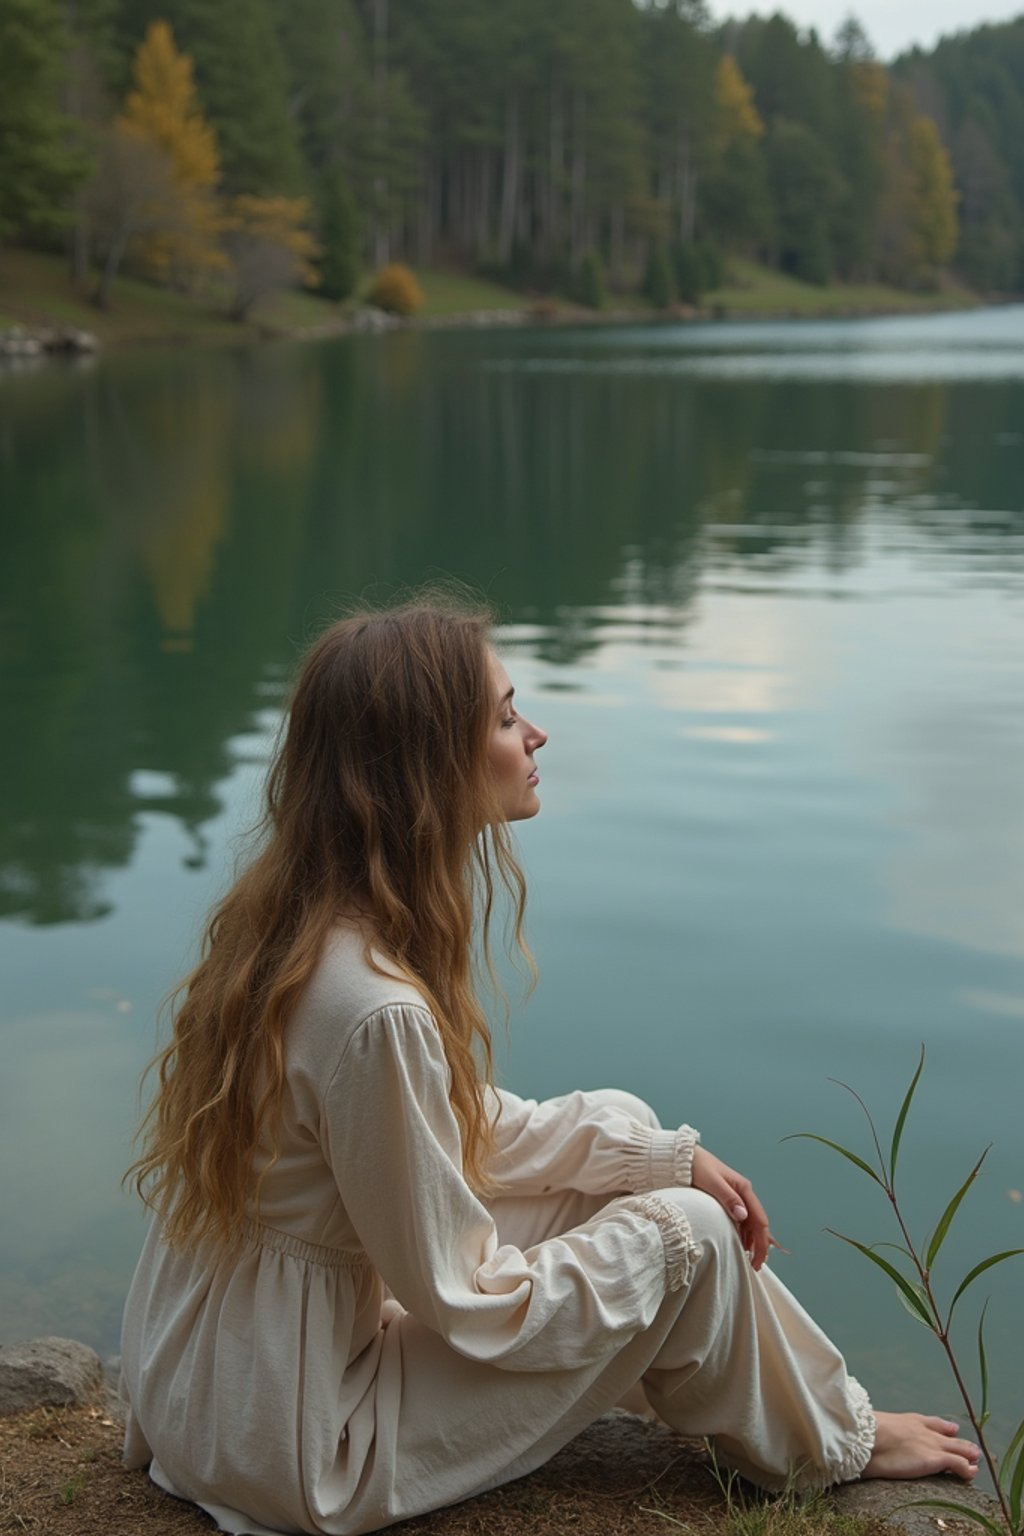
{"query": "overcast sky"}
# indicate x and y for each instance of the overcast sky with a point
(892, 25)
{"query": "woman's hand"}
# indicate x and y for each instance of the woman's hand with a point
(735, 1195)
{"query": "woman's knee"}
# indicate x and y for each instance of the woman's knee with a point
(708, 1221)
(628, 1103)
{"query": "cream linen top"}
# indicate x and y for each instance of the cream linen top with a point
(352, 1364)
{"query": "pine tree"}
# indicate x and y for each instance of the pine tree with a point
(38, 171)
(804, 186)
(659, 285)
(591, 283)
(339, 237)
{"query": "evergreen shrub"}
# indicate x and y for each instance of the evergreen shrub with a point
(689, 272)
(658, 282)
(395, 289)
(712, 267)
(339, 239)
(591, 281)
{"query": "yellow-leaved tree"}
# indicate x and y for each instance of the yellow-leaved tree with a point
(270, 247)
(933, 220)
(736, 116)
(163, 109)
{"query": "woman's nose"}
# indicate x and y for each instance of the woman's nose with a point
(537, 737)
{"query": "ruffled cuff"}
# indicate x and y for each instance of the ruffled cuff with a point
(681, 1248)
(656, 1159)
(850, 1458)
(858, 1452)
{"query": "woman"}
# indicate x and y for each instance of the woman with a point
(376, 1284)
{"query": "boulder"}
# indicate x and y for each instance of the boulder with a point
(46, 1372)
(892, 1503)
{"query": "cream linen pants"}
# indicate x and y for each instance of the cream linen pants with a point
(732, 1356)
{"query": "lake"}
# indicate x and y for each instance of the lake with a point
(764, 586)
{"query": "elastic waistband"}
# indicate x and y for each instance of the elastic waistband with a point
(296, 1248)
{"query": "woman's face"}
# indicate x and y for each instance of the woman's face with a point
(513, 743)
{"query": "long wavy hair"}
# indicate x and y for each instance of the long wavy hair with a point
(381, 803)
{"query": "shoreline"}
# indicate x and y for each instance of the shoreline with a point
(27, 341)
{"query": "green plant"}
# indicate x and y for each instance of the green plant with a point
(689, 272)
(659, 282)
(71, 1490)
(917, 1292)
(590, 287)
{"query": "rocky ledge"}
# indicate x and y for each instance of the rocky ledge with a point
(623, 1463)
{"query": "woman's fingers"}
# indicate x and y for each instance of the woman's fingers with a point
(735, 1194)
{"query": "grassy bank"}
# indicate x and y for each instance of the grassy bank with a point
(35, 291)
(753, 289)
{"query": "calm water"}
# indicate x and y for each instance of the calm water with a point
(765, 587)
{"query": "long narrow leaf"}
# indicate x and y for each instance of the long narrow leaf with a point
(965, 1510)
(917, 1306)
(983, 1367)
(1016, 1489)
(979, 1269)
(901, 1119)
(938, 1236)
(1011, 1450)
(852, 1156)
(915, 1312)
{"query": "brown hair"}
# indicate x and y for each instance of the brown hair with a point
(380, 801)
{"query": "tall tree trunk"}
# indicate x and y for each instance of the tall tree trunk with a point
(686, 186)
(556, 150)
(509, 180)
(618, 243)
(111, 266)
(485, 242)
(578, 196)
(381, 221)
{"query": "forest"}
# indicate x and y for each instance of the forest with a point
(567, 146)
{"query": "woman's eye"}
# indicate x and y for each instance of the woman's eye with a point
(511, 720)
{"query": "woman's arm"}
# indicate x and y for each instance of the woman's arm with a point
(393, 1143)
(603, 1142)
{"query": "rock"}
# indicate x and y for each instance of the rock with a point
(67, 340)
(888, 1501)
(368, 318)
(47, 1371)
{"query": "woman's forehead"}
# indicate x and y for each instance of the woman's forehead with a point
(499, 677)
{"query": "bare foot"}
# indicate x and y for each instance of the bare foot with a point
(911, 1445)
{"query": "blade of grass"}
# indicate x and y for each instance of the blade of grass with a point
(1011, 1450)
(901, 1119)
(965, 1510)
(939, 1235)
(844, 1151)
(917, 1306)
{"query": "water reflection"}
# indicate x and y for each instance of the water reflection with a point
(176, 528)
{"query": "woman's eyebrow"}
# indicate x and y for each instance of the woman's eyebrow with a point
(505, 698)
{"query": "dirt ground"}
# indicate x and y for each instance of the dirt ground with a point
(61, 1475)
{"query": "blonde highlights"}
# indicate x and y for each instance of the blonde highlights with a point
(380, 802)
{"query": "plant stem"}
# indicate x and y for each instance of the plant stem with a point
(943, 1335)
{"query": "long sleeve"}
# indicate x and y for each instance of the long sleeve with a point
(587, 1141)
(394, 1146)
